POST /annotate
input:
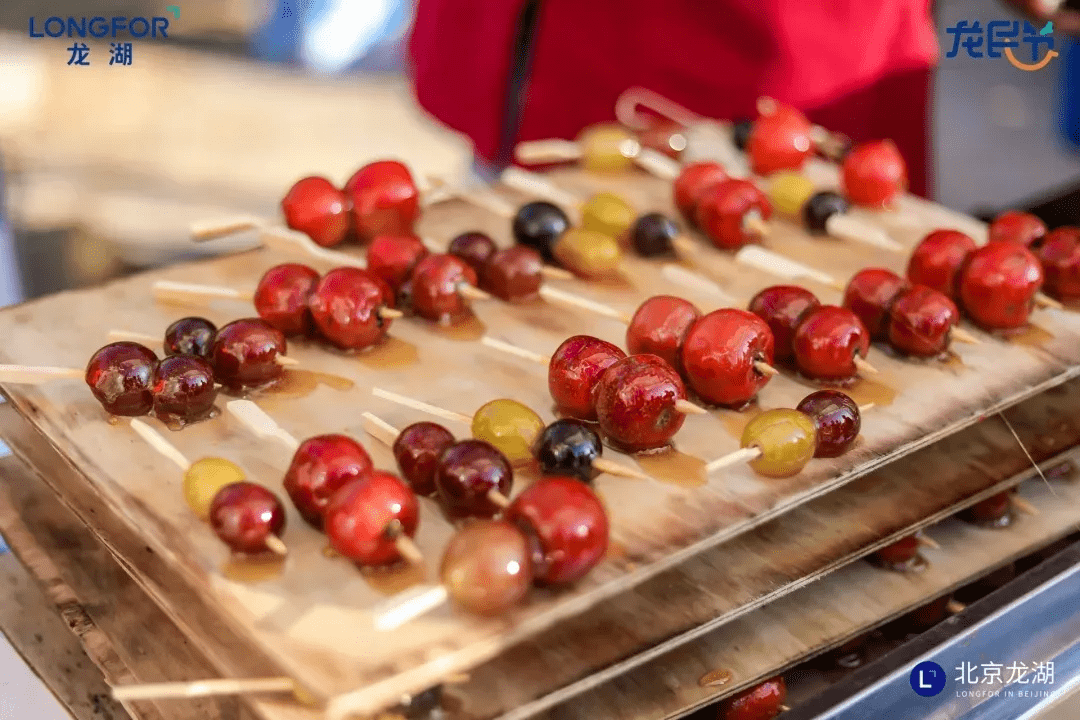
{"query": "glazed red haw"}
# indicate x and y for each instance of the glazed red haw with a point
(723, 209)
(874, 174)
(694, 180)
(869, 294)
(998, 285)
(1060, 257)
(513, 274)
(921, 320)
(183, 388)
(384, 199)
(575, 369)
(569, 525)
(121, 377)
(993, 509)
(393, 257)
(779, 141)
(901, 552)
(244, 515)
(635, 403)
(319, 468)
(1018, 227)
(245, 353)
(837, 419)
(345, 307)
(936, 261)
(827, 341)
(435, 287)
(781, 307)
(659, 327)
(190, 336)
(719, 355)
(761, 702)
(466, 474)
(282, 295)
(365, 517)
(318, 209)
(417, 450)
(474, 247)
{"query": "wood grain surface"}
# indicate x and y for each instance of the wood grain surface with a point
(314, 620)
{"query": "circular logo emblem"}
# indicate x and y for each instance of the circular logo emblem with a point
(927, 679)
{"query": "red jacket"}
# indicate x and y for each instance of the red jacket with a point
(857, 66)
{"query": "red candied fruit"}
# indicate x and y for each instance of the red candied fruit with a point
(659, 327)
(575, 369)
(282, 295)
(316, 208)
(635, 403)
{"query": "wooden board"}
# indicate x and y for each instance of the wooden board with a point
(124, 636)
(314, 621)
(825, 615)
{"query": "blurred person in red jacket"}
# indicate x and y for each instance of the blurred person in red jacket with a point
(508, 71)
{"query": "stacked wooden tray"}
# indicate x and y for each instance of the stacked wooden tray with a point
(313, 620)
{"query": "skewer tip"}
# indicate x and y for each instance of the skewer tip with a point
(961, 335)
(864, 367)
(765, 368)
(275, 545)
(285, 361)
(1045, 301)
(688, 408)
(1024, 506)
(390, 313)
(472, 293)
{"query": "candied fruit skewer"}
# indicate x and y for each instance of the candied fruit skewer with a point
(779, 443)
(601, 148)
(824, 212)
(207, 688)
(332, 497)
(245, 516)
(169, 290)
(558, 518)
(683, 406)
(550, 445)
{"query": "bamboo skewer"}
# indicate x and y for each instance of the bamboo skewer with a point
(775, 264)
(159, 443)
(168, 290)
(203, 688)
(36, 375)
(261, 425)
(1024, 506)
(387, 434)
(927, 542)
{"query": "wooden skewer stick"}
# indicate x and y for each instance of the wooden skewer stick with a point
(733, 458)
(765, 368)
(657, 163)
(864, 367)
(510, 349)
(1024, 506)
(547, 151)
(276, 546)
(157, 441)
(846, 227)
(753, 222)
(408, 605)
(678, 274)
(497, 498)
(258, 423)
(685, 246)
(1045, 301)
(37, 375)
(170, 290)
(223, 227)
(561, 296)
(531, 183)
(867, 406)
(284, 239)
(688, 408)
(928, 542)
(783, 708)
(471, 292)
(422, 406)
(775, 264)
(379, 429)
(404, 544)
(202, 688)
(954, 606)
(961, 335)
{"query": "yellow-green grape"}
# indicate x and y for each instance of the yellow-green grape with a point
(203, 480)
(587, 253)
(510, 426)
(608, 214)
(789, 191)
(786, 439)
(608, 148)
